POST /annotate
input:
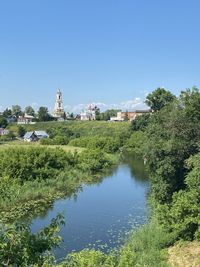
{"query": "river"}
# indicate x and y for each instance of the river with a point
(102, 214)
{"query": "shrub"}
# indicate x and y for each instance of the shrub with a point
(34, 163)
(94, 160)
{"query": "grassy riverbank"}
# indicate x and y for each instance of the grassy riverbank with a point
(34, 176)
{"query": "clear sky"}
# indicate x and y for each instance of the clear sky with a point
(105, 51)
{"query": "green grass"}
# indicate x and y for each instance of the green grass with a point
(19, 143)
(85, 128)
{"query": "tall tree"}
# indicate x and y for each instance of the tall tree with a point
(43, 114)
(21, 131)
(30, 111)
(16, 110)
(3, 122)
(159, 99)
(7, 113)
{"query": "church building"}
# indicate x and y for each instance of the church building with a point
(58, 109)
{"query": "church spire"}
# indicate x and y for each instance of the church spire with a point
(58, 110)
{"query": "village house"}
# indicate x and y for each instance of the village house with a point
(131, 115)
(26, 119)
(35, 136)
(4, 131)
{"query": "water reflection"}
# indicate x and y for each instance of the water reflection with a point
(137, 168)
(104, 212)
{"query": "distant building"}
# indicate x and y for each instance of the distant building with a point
(90, 113)
(3, 131)
(26, 119)
(35, 136)
(131, 115)
(58, 109)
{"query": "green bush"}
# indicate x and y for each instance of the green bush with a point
(136, 142)
(57, 140)
(87, 258)
(31, 163)
(107, 144)
(94, 160)
(182, 216)
(20, 247)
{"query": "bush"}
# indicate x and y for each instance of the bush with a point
(57, 140)
(34, 163)
(136, 142)
(94, 160)
(182, 216)
(20, 247)
(107, 144)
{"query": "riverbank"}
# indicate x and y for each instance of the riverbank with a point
(30, 183)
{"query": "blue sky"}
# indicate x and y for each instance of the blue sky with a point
(105, 51)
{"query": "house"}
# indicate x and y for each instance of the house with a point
(3, 131)
(131, 115)
(26, 119)
(35, 136)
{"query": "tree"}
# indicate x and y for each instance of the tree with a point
(190, 101)
(43, 114)
(21, 247)
(126, 116)
(159, 99)
(64, 116)
(16, 110)
(7, 113)
(141, 122)
(21, 131)
(30, 111)
(3, 122)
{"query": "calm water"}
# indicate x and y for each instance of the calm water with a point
(102, 214)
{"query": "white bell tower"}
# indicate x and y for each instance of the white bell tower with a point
(58, 109)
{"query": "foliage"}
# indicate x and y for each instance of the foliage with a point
(16, 110)
(141, 122)
(190, 101)
(3, 122)
(86, 258)
(93, 160)
(182, 216)
(30, 111)
(30, 163)
(80, 128)
(20, 247)
(57, 140)
(105, 116)
(43, 114)
(7, 113)
(136, 142)
(21, 131)
(159, 99)
(144, 247)
(108, 144)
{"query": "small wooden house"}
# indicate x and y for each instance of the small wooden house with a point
(35, 136)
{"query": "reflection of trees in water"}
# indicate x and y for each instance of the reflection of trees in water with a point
(71, 193)
(137, 168)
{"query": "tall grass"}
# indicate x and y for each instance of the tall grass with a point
(144, 248)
